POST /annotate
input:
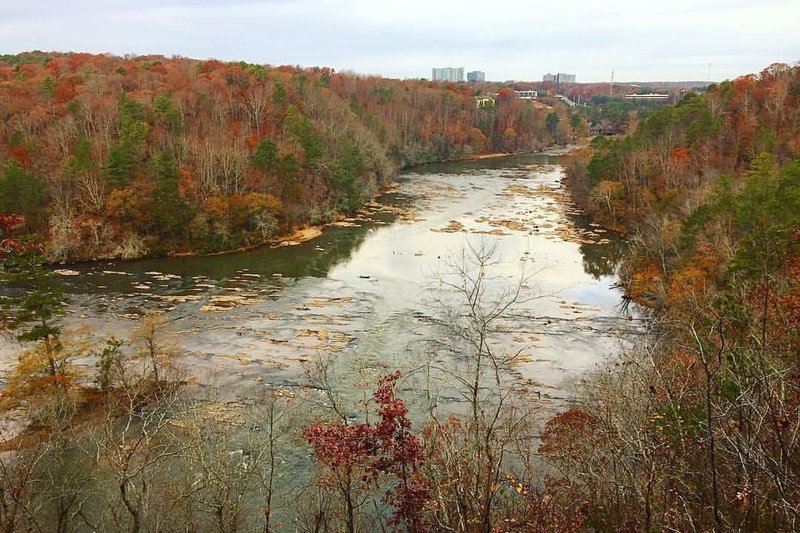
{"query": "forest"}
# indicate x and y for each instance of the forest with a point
(695, 427)
(698, 429)
(123, 157)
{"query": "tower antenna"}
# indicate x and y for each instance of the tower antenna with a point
(611, 87)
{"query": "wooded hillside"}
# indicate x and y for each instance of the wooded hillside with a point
(698, 428)
(109, 156)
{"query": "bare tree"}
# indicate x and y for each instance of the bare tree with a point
(472, 301)
(135, 442)
(235, 461)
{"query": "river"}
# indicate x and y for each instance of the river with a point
(362, 293)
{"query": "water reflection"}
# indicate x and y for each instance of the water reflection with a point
(309, 259)
(602, 256)
(358, 293)
(602, 259)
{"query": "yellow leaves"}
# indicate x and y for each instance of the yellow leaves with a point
(477, 138)
(217, 206)
(240, 211)
(126, 204)
(43, 370)
(151, 346)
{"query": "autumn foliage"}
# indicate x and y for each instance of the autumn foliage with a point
(699, 424)
(386, 452)
(108, 156)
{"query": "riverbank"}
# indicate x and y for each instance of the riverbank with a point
(553, 150)
(310, 232)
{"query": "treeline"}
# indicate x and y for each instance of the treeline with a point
(108, 156)
(698, 429)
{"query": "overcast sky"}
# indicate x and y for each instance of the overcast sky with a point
(509, 39)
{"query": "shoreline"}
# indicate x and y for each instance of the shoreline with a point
(307, 233)
(554, 151)
(301, 235)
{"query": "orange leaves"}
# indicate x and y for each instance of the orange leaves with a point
(234, 128)
(187, 186)
(251, 141)
(679, 157)
(505, 94)
(65, 90)
(210, 66)
(646, 284)
(688, 281)
(696, 280)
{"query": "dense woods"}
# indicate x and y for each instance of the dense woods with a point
(698, 428)
(108, 156)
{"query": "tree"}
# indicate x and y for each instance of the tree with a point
(552, 121)
(23, 193)
(137, 440)
(467, 455)
(168, 210)
(34, 306)
(156, 355)
(238, 461)
(350, 451)
(129, 149)
(265, 158)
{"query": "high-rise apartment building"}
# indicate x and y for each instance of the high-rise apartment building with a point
(448, 74)
(475, 76)
(561, 77)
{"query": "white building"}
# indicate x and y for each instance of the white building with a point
(448, 74)
(527, 95)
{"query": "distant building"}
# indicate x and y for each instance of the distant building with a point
(527, 95)
(561, 77)
(649, 96)
(475, 76)
(448, 74)
(485, 100)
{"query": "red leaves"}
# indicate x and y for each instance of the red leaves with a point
(567, 432)
(20, 155)
(337, 445)
(11, 222)
(13, 246)
(791, 302)
(386, 448)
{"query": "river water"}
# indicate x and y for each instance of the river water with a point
(361, 294)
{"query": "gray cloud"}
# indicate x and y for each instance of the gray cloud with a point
(513, 39)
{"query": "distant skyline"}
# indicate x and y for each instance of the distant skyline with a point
(679, 40)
